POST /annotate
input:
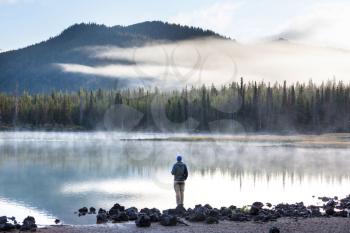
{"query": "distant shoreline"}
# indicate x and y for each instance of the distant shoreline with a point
(330, 140)
(75, 128)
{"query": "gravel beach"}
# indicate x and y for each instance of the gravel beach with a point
(308, 225)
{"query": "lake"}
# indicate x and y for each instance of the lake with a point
(51, 175)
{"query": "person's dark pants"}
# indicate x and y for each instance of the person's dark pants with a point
(179, 187)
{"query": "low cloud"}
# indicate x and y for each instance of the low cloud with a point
(208, 61)
(324, 24)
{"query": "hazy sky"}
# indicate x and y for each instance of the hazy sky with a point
(321, 22)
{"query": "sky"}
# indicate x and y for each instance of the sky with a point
(319, 23)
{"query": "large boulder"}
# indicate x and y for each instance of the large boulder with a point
(154, 215)
(83, 211)
(199, 214)
(342, 213)
(119, 216)
(92, 210)
(258, 204)
(132, 213)
(3, 219)
(101, 217)
(180, 210)
(170, 212)
(28, 224)
(7, 227)
(329, 210)
(143, 221)
(315, 211)
(168, 220)
(225, 211)
(116, 209)
(254, 210)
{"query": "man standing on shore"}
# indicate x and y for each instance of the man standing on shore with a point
(180, 174)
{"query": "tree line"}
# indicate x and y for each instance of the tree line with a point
(236, 107)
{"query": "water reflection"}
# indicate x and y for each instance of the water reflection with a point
(21, 210)
(58, 173)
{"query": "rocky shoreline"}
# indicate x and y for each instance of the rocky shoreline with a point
(257, 212)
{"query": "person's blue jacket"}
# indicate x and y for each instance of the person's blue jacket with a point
(179, 171)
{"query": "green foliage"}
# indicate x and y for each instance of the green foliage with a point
(258, 107)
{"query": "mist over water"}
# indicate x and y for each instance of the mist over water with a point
(51, 175)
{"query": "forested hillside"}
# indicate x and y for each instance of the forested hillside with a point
(31, 68)
(248, 107)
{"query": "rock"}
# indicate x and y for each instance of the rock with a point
(258, 204)
(3, 219)
(274, 230)
(57, 221)
(331, 203)
(315, 211)
(225, 211)
(119, 216)
(268, 204)
(211, 220)
(100, 211)
(180, 210)
(239, 217)
(342, 213)
(28, 224)
(198, 214)
(116, 209)
(7, 227)
(153, 214)
(101, 217)
(254, 210)
(132, 213)
(155, 210)
(168, 220)
(143, 221)
(329, 210)
(213, 213)
(232, 207)
(83, 211)
(134, 209)
(92, 210)
(208, 206)
(324, 199)
(145, 211)
(292, 210)
(170, 211)
(345, 203)
(154, 217)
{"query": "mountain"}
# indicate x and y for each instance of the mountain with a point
(31, 68)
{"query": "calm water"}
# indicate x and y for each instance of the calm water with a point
(51, 175)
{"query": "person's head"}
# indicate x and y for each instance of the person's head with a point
(179, 158)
